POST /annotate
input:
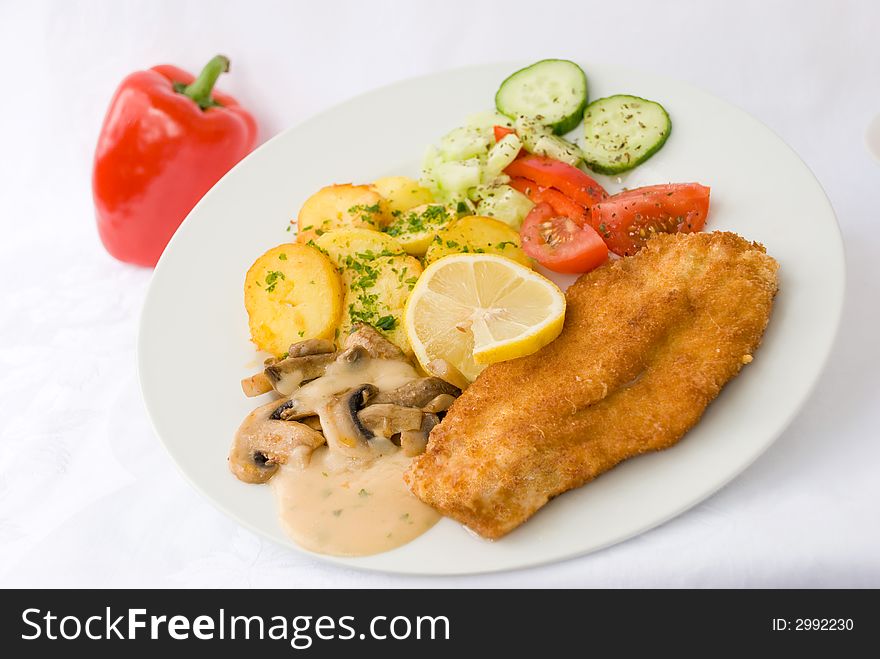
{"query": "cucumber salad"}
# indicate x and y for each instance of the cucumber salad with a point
(534, 108)
(526, 164)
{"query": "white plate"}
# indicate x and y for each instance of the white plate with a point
(194, 347)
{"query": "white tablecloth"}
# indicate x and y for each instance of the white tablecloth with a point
(88, 497)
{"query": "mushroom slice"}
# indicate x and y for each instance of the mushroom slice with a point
(263, 443)
(256, 385)
(386, 419)
(373, 342)
(293, 409)
(439, 403)
(417, 393)
(313, 422)
(414, 442)
(286, 375)
(446, 371)
(342, 426)
(311, 347)
(299, 405)
(353, 355)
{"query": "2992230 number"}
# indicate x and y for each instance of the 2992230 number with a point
(823, 624)
(813, 624)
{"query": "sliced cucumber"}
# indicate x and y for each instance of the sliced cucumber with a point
(504, 203)
(456, 177)
(553, 91)
(540, 140)
(463, 143)
(500, 156)
(557, 148)
(623, 131)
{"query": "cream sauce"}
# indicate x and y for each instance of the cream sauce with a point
(386, 374)
(348, 507)
(289, 382)
(350, 500)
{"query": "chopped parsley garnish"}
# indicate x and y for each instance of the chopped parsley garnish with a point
(364, 270)
(301, 333)
(505, 243)
(365, 213)
(272, 279)
(367, 275)
(362, 208)
(282, 256)
(363, 493)
(434, 216)
(465, 249)
(312, 243)
(386, 323)
(435, 212)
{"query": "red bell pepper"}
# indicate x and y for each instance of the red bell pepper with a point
(550, 173)
(501, 132)
(166, 139)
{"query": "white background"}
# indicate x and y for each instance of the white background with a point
(88, 496)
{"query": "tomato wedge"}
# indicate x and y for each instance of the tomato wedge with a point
(501, 132)
(550, 173)
(627, 220)
(561, 204)
(559, 243)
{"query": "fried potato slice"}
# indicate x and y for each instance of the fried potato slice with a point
(340, 206)
(477, 234)
(342, 244)
(417, 227)
(376, 291)
(377, 277)
(401, 193)
(292, 292)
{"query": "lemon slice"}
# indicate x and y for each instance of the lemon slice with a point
(477, 309)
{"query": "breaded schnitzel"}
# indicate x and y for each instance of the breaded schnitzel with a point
(648, 343)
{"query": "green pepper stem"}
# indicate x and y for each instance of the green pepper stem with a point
(200, 88)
